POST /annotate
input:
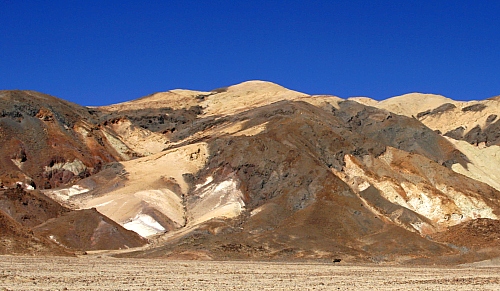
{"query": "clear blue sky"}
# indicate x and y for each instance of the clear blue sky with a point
(103, 52)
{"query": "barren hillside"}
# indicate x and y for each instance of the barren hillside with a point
(257, 171)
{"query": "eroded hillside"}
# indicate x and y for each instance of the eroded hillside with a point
(256, 171)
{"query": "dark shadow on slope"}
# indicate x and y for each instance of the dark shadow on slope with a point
(400, 132)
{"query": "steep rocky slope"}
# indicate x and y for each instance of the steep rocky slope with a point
(257, 171)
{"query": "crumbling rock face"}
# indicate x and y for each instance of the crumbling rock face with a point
(474, 121)
(399, 132)
(438, 195)
(490, 135)
(167, 121)
(400, 215)
(474, 107)
(59, 172)
(457, 133)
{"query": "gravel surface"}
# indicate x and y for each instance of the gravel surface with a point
(105, 273)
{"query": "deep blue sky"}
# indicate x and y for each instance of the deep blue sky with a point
(103, 52)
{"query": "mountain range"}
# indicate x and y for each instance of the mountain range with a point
(252, 171)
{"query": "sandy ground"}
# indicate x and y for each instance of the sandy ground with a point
(104, 273)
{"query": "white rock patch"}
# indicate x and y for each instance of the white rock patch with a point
(426, 204)
(25, 186)
(166, 201)
(67, 193)
(217, 200)
(144, 225)
(207, 181)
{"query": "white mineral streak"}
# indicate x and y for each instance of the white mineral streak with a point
(66, 193)
(144, 225)
(222, 199)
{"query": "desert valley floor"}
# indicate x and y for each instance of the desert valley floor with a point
(106, 273)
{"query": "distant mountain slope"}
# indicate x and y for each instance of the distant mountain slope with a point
(257, 171)
(413, 103)
(475, 121)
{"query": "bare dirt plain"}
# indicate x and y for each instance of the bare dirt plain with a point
(104, 273)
